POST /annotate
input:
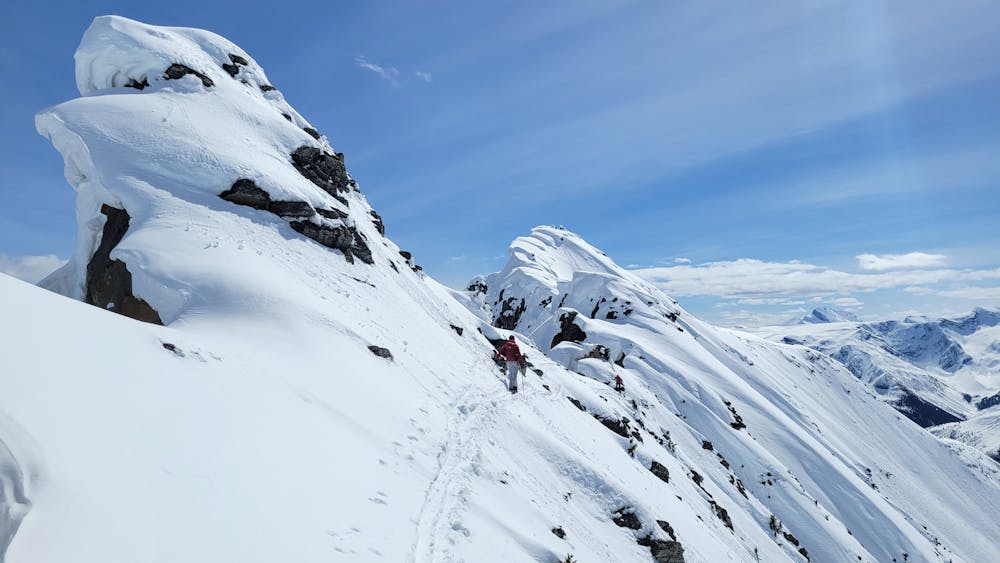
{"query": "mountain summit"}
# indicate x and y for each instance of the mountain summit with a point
(829, 315)
(282, 383)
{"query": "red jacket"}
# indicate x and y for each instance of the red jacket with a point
(510, 352)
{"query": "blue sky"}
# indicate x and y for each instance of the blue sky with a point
(742, 154)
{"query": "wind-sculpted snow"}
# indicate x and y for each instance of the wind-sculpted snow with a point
(770, 433)
(171, 119)
(16, 452)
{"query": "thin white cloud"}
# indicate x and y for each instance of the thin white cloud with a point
(755, 279)
(881, 262)
(425, 76)
(745, 318)
(973, 293)
(389, 73)
(846, 302)
(30, 268)
(682, 260)
(917, 290)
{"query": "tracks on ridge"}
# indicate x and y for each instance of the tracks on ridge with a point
(473, 416)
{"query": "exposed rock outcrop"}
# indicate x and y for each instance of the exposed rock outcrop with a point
(108, 282)
(323, 169)
(342, 237)
(380, 352)
(663, 551)
(660, 471)
(176, 71)
(568, 330)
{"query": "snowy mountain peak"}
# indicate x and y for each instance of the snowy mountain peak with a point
(555, 281)
(178, 130)
(829, 315)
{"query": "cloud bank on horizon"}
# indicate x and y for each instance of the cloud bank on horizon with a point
(780, 291)
(29, 268)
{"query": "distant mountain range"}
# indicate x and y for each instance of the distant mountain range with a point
(943, 374)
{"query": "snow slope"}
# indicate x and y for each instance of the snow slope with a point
(314, 397)
(938, 372)
(808, 453)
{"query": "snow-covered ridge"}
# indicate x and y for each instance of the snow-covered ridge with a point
(596, 319)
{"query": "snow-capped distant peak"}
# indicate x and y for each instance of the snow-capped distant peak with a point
(829, 315)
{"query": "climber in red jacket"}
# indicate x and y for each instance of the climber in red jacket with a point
(510, 353)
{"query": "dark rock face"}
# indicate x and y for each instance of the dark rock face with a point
(133, 83)
(666, 527)
(619, 426)
(342, 237)
(577, 404)
(346, 239)
(457, 329)
(332, 213)
(109, 283)
(737, 422)
(477, 287)
(569, 331)
(991, 401)
(663, 551)
(381, 352)
(309, 130)
(922, 412)
(291, 208)
(246, 192)
(234, 68)
(559, 532)
(176, 71)
(510, 314)
(660, 471)
(626, 518)
(722, 514)
(267, 88)
(325, 170)
(377, 221)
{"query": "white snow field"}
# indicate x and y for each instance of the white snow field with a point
(944, 373)
(315, 397)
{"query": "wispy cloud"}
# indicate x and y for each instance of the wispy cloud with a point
(973, 293)
(755, 279)
(883, 262)
(425, 76)
(389, 73)
(30, 268)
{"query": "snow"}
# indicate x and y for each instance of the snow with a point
(810, 419)
(950, 364)
(257, 425)
(829, 315)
